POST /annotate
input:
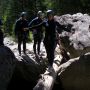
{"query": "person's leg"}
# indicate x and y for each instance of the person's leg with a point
(51, 52)
(46, 44)
(47, 48)
(19, 44)
(51, 56)
(34, 44)
(39, 44)
(38, 47)
(24, 45)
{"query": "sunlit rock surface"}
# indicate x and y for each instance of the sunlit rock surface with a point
(76, 38)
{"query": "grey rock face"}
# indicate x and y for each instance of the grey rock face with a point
(76, 74)
(76, 37)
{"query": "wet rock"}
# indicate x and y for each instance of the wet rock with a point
(26, 73)
(76, 37)
(7, 65)
(75, 74)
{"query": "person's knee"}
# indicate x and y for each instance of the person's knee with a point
(34, 44)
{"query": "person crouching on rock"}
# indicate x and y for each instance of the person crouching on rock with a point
(20, 31)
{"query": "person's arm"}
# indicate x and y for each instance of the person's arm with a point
(36, 26)
(31, 23)
(31, 26)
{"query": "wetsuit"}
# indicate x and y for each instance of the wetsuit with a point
(50, 39)
(37, 34)
(21, 34)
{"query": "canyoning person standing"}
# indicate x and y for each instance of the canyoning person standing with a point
(1, 34)
(50, 35)
(37, 33)
(20, 31)
(50, 39)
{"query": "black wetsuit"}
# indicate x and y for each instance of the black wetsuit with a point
(21, 34)
(50, 39)
(37, 34)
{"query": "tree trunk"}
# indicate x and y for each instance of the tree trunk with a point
(48, 78)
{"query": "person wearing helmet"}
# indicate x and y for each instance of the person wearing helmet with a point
(50, 38)
(1, 33)
(37, 33)
(20, 32)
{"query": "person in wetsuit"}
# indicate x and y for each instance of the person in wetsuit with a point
(20, 32)
(52, 29)
(50, 39)
(37, 33)
(50, 36)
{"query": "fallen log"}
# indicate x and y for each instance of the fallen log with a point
(48, 78)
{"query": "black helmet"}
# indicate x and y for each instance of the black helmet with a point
(39, 13)
(23, 14)
(50, 12)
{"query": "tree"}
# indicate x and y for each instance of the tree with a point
(11, 9)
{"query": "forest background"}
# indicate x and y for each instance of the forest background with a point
(10, 9)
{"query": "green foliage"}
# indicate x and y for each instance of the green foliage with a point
(71, 6)
(11, 9)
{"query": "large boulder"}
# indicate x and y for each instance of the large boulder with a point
(75, 74)
(26, 73)
(75, 37)
(7, 65)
